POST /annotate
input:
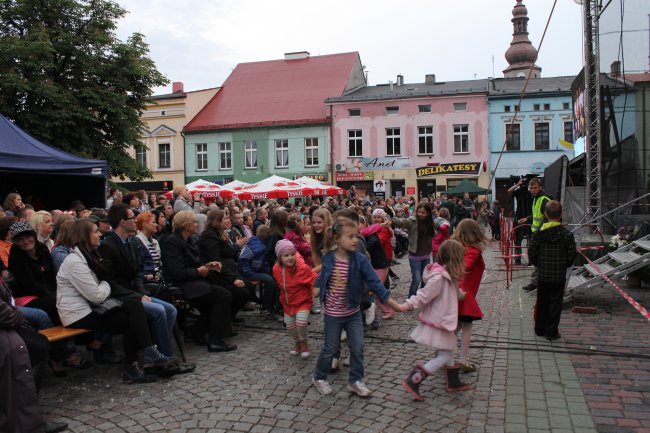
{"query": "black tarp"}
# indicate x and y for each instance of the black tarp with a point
(51, 177)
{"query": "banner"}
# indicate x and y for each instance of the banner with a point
(354, 175)
(383, 163)
(467, 168)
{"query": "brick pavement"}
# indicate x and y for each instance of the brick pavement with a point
(259, 388)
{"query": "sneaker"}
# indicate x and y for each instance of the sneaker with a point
(315, 309)
(370, 314)
(153, 358)
(304, 350)
(346, 361)
(336, 364)
(322, 386)
(359, 388)
(296, 350)
(133, 373)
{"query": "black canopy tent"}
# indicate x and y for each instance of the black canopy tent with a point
(51, 177)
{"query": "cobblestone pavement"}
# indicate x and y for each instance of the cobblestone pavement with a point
(522, 384)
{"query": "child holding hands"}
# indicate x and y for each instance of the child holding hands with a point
(341, 292)
(295, 279)
(438, 305)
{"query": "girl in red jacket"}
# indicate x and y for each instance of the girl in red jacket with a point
(295, 280)
(471, 235)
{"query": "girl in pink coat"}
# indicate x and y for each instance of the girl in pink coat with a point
(438, 305)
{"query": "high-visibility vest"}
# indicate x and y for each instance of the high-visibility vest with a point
(538, 215)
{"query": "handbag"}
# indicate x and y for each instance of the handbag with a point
(109, 304)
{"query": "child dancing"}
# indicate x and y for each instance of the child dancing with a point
(438, 305)
(341, 292)
(295, 280)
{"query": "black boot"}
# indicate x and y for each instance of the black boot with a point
(220, 346)
(453, 381)
(54, 427)
(413, 380)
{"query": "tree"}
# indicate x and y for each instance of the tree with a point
(69, 81)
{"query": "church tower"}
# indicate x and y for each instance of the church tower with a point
(521, 54)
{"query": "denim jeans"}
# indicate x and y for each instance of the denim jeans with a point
(417, 268)
(333, 326)
(269, 288)
(36, 317)
(161, 316)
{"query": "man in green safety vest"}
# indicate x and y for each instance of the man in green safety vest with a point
(536, 219)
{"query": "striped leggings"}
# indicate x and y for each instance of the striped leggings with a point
(297, 325)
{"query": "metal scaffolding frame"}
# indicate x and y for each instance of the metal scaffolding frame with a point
(593, 146)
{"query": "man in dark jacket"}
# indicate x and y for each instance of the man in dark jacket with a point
(122, 260)
(552, 250)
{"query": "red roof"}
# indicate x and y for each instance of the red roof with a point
(277, 92)
(642, 77)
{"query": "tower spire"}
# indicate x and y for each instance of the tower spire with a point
(521, 54)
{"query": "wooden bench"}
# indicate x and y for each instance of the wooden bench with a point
(60, 333)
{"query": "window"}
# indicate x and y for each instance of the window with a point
(225, 156)
(460, 106)
(536, 107)
(517, 108)
(282, 153)
(393, 147)
(250, 154)
(355, 142)
(506, 108)
(565, 106)
(424, 108)
(311, 152)
(542, 136)
(547, 107)
(513, 137)
(354, 112)
(164, 155)
(392, 110)
(461, 138)
(163, 113)
(568, 131)
(425, 140)
(201, 156)
(141, 155)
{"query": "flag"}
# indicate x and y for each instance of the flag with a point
(566, 144)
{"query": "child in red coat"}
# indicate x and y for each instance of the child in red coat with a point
(471, 235)
(296, 281)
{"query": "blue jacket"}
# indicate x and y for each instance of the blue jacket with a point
(360, 271)
(252, 259)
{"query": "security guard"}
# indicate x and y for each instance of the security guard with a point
(537, 218)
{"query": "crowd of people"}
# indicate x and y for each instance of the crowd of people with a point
(123, 270)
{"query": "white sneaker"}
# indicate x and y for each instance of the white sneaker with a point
(295, 351)
(359, 388)
(322, 386)
(336, 364)
(370, 314)
(344, 335)
(346, 361)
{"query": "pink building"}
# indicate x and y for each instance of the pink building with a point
(411, 139)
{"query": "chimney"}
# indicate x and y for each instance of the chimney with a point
(177, 87)
(297, 55)
(390, 83)
(400, 80)
(615, 69)
(430, 79)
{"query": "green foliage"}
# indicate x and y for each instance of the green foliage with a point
(69, 81)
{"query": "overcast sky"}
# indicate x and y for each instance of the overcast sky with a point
(199, 42)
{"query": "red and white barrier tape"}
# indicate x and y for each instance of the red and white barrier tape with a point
(638, 307)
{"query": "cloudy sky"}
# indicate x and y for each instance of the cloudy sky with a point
(199, 42)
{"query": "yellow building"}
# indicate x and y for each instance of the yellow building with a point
(164, 155)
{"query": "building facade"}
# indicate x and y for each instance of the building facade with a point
(163, 152)
(411, 139)
(270, 118)
(527, 137)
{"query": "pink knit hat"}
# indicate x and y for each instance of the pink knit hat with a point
(283, 246)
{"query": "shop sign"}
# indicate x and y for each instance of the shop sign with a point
(379, 185)
(410, 190)
(384, 163)
(467, 168)
(321, 177)
(354, 175)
